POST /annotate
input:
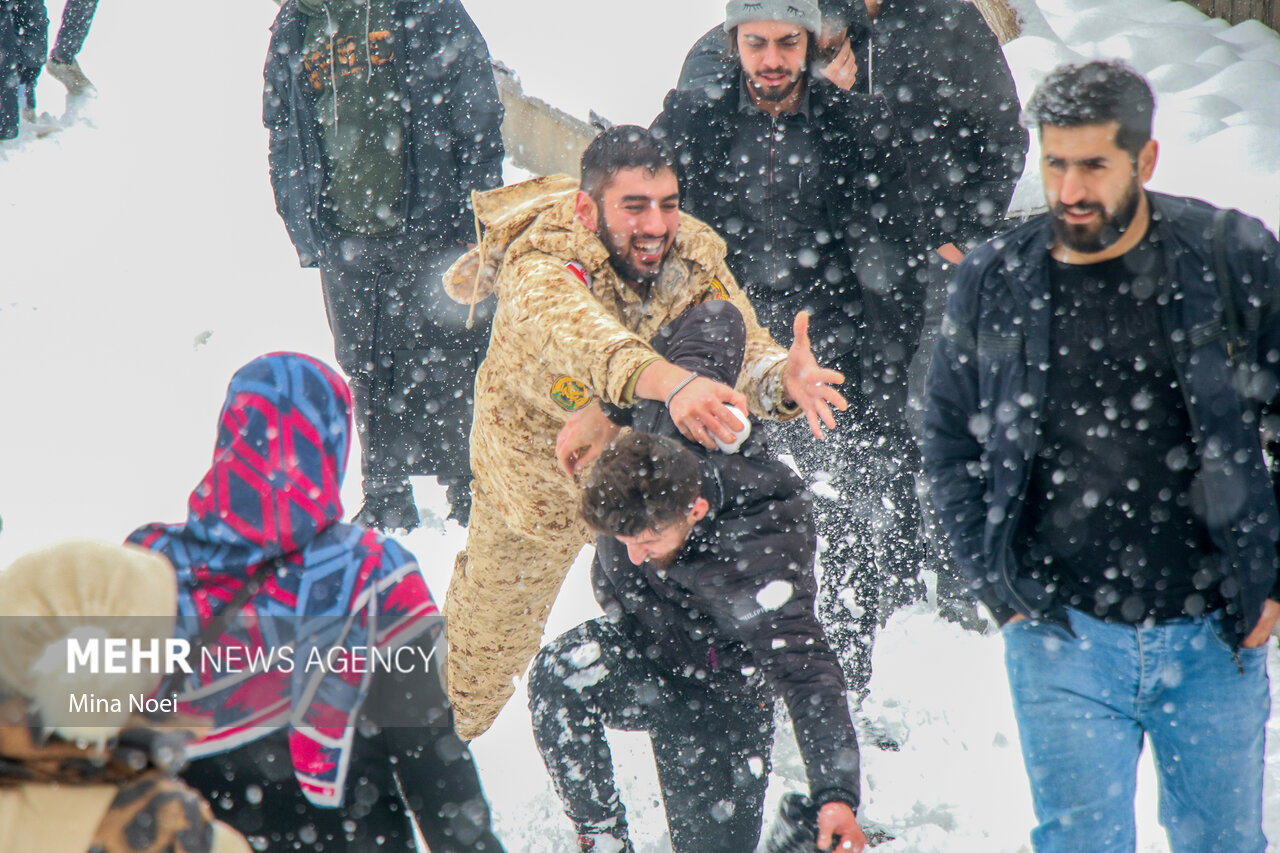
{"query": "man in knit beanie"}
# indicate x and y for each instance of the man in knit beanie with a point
(810, 186)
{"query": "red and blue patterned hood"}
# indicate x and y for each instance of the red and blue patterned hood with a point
(272, 496)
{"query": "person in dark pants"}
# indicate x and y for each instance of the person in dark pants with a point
(704, 570)
(263, 564)
(951, 93)
(405, 760)
(24, 32)
(384, 117)
(77, 15)
(811, 188)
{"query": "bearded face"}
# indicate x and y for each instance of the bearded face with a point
(1093, 187)
(1088, 226)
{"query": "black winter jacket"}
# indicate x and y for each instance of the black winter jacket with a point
(945, 77)
(452, 125)
(24, 40)
(738, 600)
(866, 325)
(943, 73)
(987, 389)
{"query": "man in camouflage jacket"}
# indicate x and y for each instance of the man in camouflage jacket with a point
(584, 279)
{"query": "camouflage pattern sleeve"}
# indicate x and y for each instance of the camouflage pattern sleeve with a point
(765, 359)
(561, 324)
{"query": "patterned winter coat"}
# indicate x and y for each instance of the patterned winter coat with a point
(271, 502)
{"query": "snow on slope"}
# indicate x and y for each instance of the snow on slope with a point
(141, 262)
(1217, 92)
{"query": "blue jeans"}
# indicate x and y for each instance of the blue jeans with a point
(1083, 704)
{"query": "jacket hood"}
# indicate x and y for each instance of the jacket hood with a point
(283, 437)
(273, 491)
(542, 212)
(502, 215)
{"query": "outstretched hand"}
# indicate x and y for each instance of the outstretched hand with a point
(809, 385)
(583, 437)
(837, 825)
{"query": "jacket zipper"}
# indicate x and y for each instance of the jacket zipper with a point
(773, 230)
(1028, 461)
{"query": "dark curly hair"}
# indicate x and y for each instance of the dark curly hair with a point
(1095, 92)
(640, 482)
(626, 146)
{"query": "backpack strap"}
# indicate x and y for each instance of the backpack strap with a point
(219, 623)
(1230, 318)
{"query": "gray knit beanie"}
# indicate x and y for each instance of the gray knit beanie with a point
(802, 12)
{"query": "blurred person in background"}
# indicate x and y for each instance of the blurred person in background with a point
(953, 100)
(384, 118)
(811, 188)
(96, 776)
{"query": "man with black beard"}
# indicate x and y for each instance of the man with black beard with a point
(591, 278)
(810, 187)
(1092, 443)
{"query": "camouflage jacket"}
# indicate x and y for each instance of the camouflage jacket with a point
(567, 329)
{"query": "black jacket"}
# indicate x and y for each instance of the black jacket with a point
(24, 34)
(952, 95)
(867, 324)
(945, 77)
(739, 599)
(452, 125)
(987, 387)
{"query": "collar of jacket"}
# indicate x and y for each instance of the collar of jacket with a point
(1030, 244)
(837, 119)
(559, 232)
(826, 103)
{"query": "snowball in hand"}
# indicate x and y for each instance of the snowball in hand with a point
(739, 436)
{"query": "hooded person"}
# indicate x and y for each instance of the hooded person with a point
(329, 595)
(383, 118)
(93, 775)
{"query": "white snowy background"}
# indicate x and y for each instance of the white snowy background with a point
(142, 261)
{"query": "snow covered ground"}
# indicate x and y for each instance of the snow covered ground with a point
(141, 262)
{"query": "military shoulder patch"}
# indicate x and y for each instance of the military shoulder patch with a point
(570, 394)
(716, 290)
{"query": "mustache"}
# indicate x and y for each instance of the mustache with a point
(1060, 209)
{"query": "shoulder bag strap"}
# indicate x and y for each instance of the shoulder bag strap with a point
(1230, 318)
(220, 622)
